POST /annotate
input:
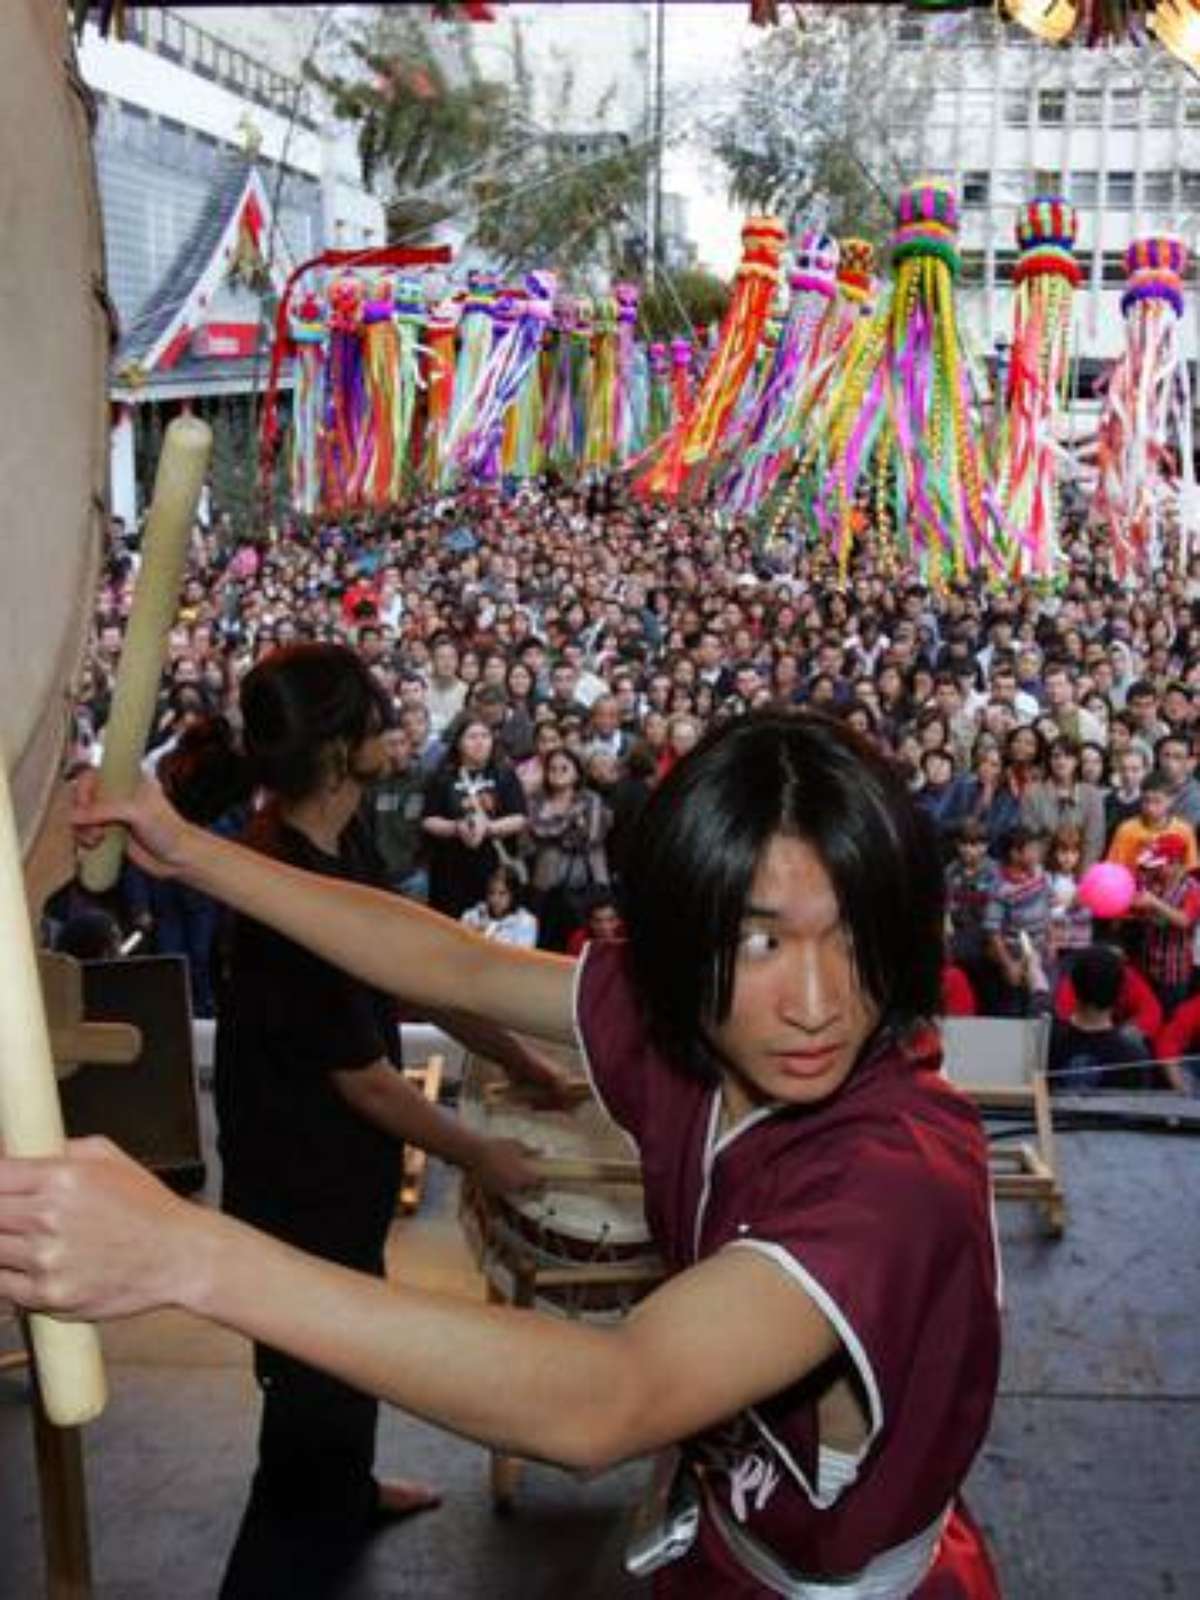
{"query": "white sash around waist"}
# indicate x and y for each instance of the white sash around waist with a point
(891, 1575)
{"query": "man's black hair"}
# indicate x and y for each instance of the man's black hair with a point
(696, 846)
(1096, 976)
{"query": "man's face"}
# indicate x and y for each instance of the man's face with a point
(562, 681)
(1177, 707)
(1156, 808)
(604, 923)
(1141, 709)
(799, 1015)
(1176, 762)
(947, 699)
(1131, 769)
(605, 716)
(1058, 690)
(398, 749)
(708, 652)
(445, 660)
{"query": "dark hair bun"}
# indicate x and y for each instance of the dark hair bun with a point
(297, 705)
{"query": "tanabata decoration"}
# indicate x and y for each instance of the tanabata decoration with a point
(583, 327)
(659, 418)
(476, 332)
(627, 430)
(844, 334)
(440, 330)
(695, 438)
(558, 416)
(681, 380)
(309, 336)
(599, 449)
(901, 426)
(285, 344)
(526, 415)
(856, 273)
(345, 412)
(520, 321)
(376, 479)
(1146, 490)
(1037, 392)
(755, 452)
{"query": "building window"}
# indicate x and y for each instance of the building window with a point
(1012, 186)
(1052, 107)
(1016, 107)
(1120, 190)
(1160, 108)
(1112, 267)
(1189, 183)
(1191, 106)
(975, 188)
(1158, 189)
(910, 33)
(1124, 108)
(1084, 188)
(1005, 261)
(974, 265)
(1089, 107)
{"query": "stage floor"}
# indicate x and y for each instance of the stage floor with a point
(1088, 1485)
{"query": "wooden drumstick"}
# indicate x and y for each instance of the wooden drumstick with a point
(181, 468)
(67, 1353)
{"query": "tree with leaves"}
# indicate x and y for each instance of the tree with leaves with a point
(689, 299)
(825, 129)
(441, 141)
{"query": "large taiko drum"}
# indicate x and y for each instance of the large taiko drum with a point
(55, 332)
(574, 1248)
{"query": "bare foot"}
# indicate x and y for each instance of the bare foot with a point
(405, 1497)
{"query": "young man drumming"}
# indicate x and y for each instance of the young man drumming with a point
(826, 1350)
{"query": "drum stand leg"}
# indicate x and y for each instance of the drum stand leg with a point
(62, 1493)
(505, 1470)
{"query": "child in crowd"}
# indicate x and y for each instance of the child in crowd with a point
(1070, 919)
(1019, 903)
(970, 881)
(1168, 905)
(1091, 1049)
(603, 921)
(500, 914)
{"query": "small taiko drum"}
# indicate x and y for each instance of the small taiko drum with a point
(55, 334)
(578, 1246)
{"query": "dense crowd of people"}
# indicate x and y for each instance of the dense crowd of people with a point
(548, 657)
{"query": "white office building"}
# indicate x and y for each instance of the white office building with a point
(1117, 130)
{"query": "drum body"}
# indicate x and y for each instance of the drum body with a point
(54, 347)
(578, 1250)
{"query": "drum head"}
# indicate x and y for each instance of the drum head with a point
(54, 346)
(601, 1216)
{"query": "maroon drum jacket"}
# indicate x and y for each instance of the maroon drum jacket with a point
(878, 1203)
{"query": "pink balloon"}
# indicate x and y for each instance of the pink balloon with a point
(1107, 889)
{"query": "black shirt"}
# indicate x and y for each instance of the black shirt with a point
(458, 874)
(1113, 1058)
(298, 1160)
